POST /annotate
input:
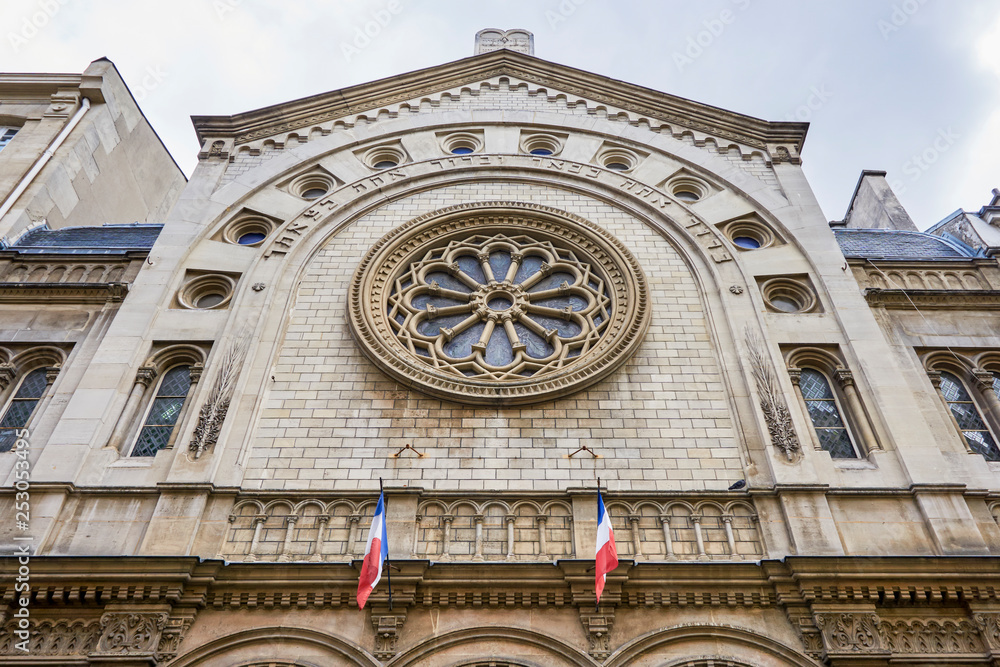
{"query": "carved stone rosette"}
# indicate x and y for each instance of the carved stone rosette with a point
(561, 348)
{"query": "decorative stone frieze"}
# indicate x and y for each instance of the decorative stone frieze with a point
(851, 633)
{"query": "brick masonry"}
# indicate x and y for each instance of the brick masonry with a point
(332, 419)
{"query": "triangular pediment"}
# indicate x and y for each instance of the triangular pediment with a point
(574, 87)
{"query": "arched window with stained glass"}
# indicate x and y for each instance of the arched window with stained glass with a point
(164, 411)
(825, 414)
(977, 435)
(29, 393)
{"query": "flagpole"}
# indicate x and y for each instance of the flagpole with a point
(388, 564)
(597, 600)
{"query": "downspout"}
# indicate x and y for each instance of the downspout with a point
(44, 158)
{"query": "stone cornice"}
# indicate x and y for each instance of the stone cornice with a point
(47, 293)
(899, 581)
(308, 111)
(906, 299)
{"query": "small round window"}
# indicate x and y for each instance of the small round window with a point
(313, 193)
(385, 164)
(617, 166)
(746, 242)
(250, 238)
(210, 300)
(687, 196)
(541, 151)
(461, 150)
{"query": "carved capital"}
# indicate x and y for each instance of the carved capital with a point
(845, 378)
(196, 372)
(795, 375)
(598, 628)
(387, 627)
(7, 375)
(145, 376)
(52, 373)
(935, 378)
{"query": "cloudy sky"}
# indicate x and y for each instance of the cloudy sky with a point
(911, 87)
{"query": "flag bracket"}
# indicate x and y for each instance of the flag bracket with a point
(408, 447)
(584, 448)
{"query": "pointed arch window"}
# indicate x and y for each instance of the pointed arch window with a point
(22, 406)
(967, 416)
(164, 410)
(825, 414)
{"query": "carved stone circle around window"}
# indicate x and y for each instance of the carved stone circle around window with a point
(498, 303)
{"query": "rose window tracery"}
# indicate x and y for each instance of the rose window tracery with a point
(498, 302)
(499, 306)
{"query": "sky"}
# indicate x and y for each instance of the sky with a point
(910, 87)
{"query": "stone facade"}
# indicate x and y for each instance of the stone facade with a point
(772, 424)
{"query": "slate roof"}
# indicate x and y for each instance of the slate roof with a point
(900, 245)
(109, 239)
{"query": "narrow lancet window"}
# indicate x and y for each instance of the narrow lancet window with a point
(825, 415)
(164, 411)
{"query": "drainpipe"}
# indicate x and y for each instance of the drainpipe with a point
(44, 158)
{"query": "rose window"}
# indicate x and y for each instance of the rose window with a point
(499, 307)
(498, 303)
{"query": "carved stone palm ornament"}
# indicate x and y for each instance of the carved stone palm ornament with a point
(498, 302)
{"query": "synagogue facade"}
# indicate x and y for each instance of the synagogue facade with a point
(488, 287)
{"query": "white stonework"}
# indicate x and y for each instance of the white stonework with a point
(750, 532)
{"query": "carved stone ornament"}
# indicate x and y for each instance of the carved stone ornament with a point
(736, 289)
(213, 412)
(851, 633)
(387, 627)
(772, 404)
(989, 628)
(63, 637)
(498, 303)
(932, 636)
(598, 629)
(131, 632)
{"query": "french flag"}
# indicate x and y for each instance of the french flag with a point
(607, 554)
(376, 552)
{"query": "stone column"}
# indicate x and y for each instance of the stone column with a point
(143, 379)
(478, 518)
(795, 374)
(286, 544)
(446, 519)
(509, 519)
(321, 521)
(543, 545)
(984, 384)
(727, 523)
(667, 540)
(258, 525)
(633, 520)
(846, 381)
(352, 533)
(696, 521)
